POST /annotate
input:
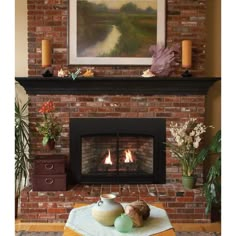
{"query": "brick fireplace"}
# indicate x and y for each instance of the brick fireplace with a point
(171, 99)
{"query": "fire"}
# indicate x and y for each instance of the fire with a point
(108, 158)
(128, 156)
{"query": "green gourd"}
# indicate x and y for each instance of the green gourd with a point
(123, 223)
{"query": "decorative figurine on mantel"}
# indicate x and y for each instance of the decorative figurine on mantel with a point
(75, 74)
(163, 59)
(88, 73)
(83, 72)
(147, 73)
(63, 73)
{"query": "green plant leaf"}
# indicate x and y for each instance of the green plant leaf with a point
(215, 145)
(212, 186)
(22, 160)
(45, 140)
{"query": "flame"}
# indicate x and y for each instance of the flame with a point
(128, 156)
(108, 158)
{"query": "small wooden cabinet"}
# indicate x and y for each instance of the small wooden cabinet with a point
(49, 173)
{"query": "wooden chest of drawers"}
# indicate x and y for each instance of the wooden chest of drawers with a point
(49, 173)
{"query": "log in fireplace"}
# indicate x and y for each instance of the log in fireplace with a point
(117, 150)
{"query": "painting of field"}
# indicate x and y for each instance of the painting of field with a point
(115, 28)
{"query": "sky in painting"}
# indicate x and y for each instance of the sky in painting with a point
(114, 4)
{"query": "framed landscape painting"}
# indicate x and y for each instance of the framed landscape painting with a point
(115, 32)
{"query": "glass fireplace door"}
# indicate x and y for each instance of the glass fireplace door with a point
(117, 155)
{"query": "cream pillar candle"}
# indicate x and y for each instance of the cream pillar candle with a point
(186, 53)
(46, 53)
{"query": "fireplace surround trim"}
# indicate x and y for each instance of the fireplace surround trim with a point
(155, 127)
(117, 85)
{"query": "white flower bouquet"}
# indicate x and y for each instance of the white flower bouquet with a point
(185, 144)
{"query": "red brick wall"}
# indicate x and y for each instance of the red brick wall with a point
(173, 108)
(49, 18)
(182, 205)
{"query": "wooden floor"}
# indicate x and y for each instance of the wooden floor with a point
(187, 227)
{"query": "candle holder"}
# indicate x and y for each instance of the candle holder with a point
(186, 73)
(47, 72)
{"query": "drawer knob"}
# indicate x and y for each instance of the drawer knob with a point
(48, 166)
(49, 181)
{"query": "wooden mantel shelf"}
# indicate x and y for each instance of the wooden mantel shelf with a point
(118, 85)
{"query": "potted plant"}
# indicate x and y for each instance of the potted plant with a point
(185, 146)
(22, 160)
(50, 127)
(212, 186)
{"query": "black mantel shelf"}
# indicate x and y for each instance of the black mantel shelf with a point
(118, 85)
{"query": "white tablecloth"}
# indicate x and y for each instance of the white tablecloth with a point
(81, 221)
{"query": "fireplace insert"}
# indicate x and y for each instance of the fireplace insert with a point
(117, 150)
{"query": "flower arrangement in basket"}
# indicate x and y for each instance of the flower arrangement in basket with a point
(50, 127)
(185, 144)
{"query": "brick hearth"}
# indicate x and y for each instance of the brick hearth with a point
(182, 205)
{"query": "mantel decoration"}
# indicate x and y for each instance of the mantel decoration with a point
(186, 57)
(78, 73)
(50, 127)
(185, 146)
(47, 58)
(63, 73)
(115, 32)
(163, 59)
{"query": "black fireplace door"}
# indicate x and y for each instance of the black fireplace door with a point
(117, 150)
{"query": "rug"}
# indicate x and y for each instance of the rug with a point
(198, 234)
(26, 233)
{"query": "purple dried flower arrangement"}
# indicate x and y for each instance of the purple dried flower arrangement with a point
(163, 59)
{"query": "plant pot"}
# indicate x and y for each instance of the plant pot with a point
(189, 181)
(16, 207)
(215, 212)
(51, 144)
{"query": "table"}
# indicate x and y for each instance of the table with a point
(70, 232)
